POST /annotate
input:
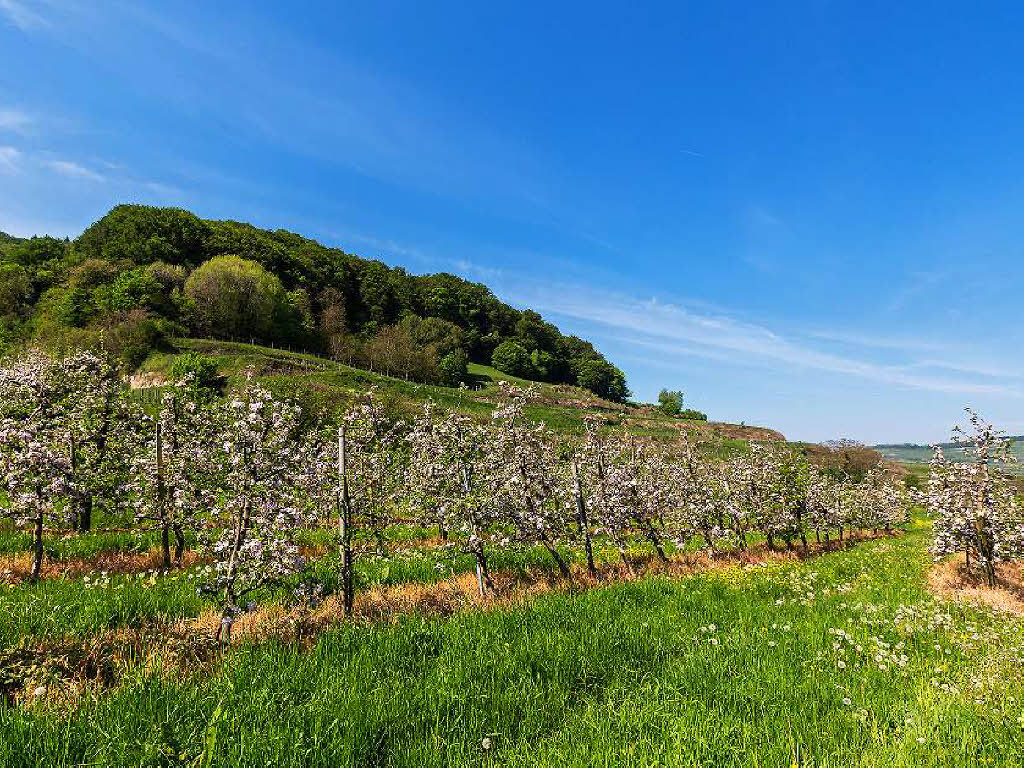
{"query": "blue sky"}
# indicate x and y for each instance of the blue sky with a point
(805, 215)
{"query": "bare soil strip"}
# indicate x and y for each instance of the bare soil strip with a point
(951, 581)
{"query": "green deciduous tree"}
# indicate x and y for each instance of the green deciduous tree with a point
(670, 402)
(512, 358)
(603, 379)
(234, 298)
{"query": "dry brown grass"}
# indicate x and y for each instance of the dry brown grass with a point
(15, 568)
(951, 581)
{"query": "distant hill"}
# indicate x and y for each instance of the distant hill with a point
(913, 453)
(912, 446)
(142, 275)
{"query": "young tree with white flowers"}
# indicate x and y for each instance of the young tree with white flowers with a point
(525, 472)
(177, 469)
(451, 479)
(38, 476)
(258, 499)
(976, 511)
(104, 432)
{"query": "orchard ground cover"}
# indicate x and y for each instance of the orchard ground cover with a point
(282, 533)
(843, 659)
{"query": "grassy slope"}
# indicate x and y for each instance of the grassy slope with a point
(321, 384)
(630, 674)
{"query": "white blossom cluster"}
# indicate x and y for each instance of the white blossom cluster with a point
(974, 502)
(515, 479)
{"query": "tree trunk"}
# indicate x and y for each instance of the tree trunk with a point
(581, 515)
(652, 536)
(345, 525)
(179, 544)
(483, 575)
(563, 567)
(230, 596)
(741, 534)
(710, 540)
(102, 442)
(622, 553)
(73, 457)
(37, 543)
(85, 519)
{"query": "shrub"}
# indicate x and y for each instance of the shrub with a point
(603, 379)
(202, 369)
(131, 336)
(693, 415)
(512, 358)
(454, 368)
(670, 402)
(134, 289)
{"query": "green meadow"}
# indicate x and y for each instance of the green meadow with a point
(839, 660)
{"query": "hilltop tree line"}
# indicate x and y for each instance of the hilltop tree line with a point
(142, 274)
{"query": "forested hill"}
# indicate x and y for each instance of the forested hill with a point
(142, 274)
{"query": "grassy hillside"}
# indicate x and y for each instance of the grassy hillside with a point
(326, 386)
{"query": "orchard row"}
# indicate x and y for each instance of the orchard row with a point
(241, 475)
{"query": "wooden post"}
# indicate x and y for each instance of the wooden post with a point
(37, 539)
(73, 460)
(165, 529)
(345, 524)
(581, 512)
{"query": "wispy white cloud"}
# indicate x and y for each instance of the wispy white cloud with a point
(385, 246)
(876, 342)
(163, 190)
(74, 170)
(14, 120)
(679, 330)
(9, 159)
(22, 15)
(917, 284)
(966, 366)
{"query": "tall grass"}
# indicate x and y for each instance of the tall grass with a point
(732, 668)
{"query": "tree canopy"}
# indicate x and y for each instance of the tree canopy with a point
(142, 272)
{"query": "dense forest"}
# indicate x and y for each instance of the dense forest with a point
(142, 275)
